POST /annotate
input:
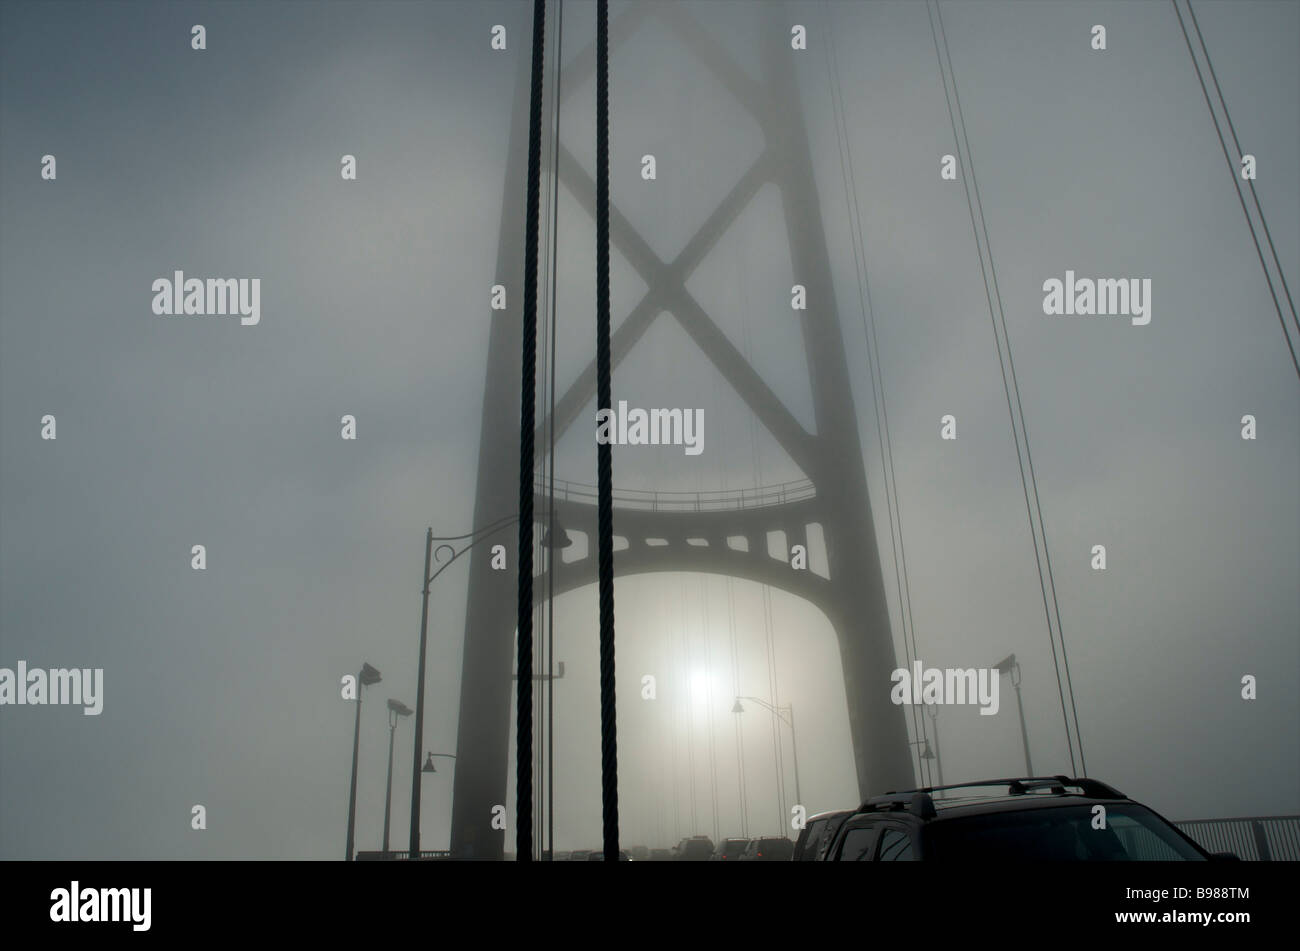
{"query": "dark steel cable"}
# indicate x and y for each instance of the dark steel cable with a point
(527, 405)
(1232, 170)
(604, 451)
(550, 557)
(968, 178)
(1020, 408)
(1250, 183)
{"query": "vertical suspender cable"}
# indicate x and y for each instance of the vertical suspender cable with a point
(1006, 365)
(708, 689)
(550, 520)
(604, 451)
(527, 401)
(892, 504)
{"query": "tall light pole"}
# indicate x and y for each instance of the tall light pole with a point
(428, 767)
(786, 715)
(1009, 665)
(396, 709)
(365, 677)
(933, 710)
(926, 752)
(431, 554)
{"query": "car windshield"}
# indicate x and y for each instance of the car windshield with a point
(1132, 833)
(776, 848)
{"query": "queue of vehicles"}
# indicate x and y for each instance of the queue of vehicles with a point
(1026, 819)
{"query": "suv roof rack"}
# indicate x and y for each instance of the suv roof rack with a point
(916, 801)
(920, 802)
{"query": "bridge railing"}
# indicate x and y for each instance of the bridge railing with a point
(711, 501)
(401, 855)
(1254, 839)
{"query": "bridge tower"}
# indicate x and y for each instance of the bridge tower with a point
(835, 495)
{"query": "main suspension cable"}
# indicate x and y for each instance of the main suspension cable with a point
(604, 451)
(528, 400)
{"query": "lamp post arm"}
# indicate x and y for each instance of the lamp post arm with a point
(784, 714)
(476, 537)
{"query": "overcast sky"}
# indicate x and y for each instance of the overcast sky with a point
(222, 685)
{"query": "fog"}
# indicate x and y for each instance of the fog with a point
(222, 686)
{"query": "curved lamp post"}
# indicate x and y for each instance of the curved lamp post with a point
(448, 550)
(428, 767)
(786, 715)
(933, 710)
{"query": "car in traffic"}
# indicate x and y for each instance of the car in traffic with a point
(768, 848)
(697, 848)
(1031, 819)
(729, 850)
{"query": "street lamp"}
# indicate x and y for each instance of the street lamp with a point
(396, 710)
(786, 715)
(365, 678)
(933, 710)
(455, 545)
(926, 753)
(445, 544)
(1009, 665)
(428, 767)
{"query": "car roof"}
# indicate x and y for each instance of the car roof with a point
(1012, 795)
(956, 808)
(832, 814)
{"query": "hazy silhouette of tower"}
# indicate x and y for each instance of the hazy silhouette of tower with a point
(834, 497)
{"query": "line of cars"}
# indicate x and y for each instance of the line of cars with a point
(696, 848)
(1027, 819)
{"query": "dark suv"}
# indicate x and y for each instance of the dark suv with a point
(817, 833)
(769, 848)
(729, 850)
(698, 848)
(1034, 819)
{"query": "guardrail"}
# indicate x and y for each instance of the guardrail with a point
(1253, 839)
(403, 855)
(721, 500)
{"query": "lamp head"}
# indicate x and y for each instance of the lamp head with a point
(369, 675)
(559, 539)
